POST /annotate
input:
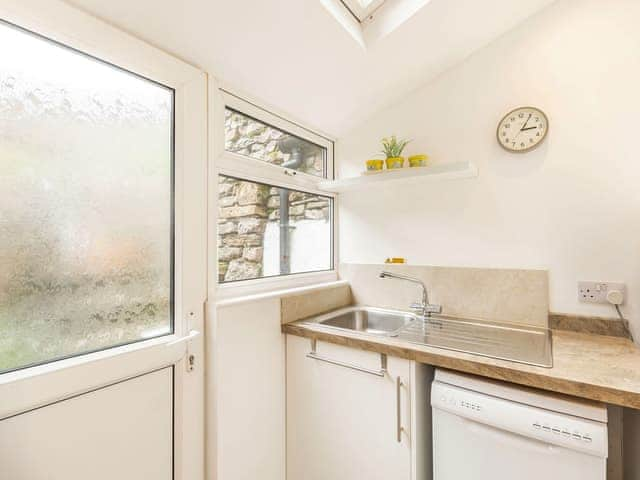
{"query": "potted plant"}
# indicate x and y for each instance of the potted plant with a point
(420, 160)
(374, 165)
(392, 148)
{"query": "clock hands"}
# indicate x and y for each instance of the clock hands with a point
(525, 123)
(528, 128)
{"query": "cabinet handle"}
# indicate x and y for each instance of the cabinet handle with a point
(378, 373)
(399, 428)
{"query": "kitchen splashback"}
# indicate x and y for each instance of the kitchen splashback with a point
(502, 295)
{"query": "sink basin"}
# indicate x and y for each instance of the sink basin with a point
(513, 342)
(376, 321)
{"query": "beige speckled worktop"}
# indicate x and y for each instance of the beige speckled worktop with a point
(596, 367)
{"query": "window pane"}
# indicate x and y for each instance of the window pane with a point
(255, 139)
(266, 231)
(86, 195)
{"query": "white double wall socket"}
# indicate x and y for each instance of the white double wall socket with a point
(601, 292)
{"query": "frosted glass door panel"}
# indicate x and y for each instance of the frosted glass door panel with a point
(86, 172)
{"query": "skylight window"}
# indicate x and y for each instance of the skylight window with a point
(362, 9)
(369, 21)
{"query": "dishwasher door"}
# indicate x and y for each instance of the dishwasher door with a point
(480, 437)
(465, 449)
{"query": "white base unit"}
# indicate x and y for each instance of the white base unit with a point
(488, 430)
(355, 414)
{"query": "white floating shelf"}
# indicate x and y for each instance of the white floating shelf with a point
(446, 171)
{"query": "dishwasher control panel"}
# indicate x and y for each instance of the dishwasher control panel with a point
(544, 425)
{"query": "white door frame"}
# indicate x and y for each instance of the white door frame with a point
(34, 387)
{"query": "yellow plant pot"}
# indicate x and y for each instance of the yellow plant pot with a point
(374, 165)
(418, 160)
(394, 162)
(395, 260)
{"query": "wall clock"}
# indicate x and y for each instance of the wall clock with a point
(522, 129)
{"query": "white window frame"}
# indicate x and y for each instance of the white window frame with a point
(361, 13)
(244, 167)
(41, 385)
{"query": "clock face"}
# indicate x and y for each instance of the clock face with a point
(522, 129)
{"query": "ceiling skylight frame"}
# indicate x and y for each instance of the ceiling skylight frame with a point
(362, 10)
(382, 17)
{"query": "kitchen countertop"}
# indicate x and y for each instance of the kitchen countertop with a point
(595, 367)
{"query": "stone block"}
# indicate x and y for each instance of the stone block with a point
(241, 269)
(295, 196)
(226, 253)
(225, 188)
(253, 254)
(273, 202)
(243, 211)
(226, 228)
(253, 129)
(249, 193)
(296, 210)
(227, 201)
(249, 240)
(251, 225)
(317, 204)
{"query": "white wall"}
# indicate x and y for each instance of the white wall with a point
(572, 206)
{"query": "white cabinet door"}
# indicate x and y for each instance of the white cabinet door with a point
(342, 423)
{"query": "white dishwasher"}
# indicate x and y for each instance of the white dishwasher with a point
(491, 430)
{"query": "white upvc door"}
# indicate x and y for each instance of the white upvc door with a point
(119, 371)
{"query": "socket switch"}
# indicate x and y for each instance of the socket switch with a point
(596, 292)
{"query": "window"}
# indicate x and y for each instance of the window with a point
(273, 217)
(369, 21)
(267, 231)
(247, 136)
(86, 236)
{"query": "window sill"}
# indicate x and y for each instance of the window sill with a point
(231, 294)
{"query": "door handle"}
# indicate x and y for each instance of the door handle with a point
(187, 338)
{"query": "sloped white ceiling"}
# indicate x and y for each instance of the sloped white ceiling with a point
(292, 54)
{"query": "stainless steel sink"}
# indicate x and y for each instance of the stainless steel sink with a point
(376, 321)
(513, 342)
(505, 341)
